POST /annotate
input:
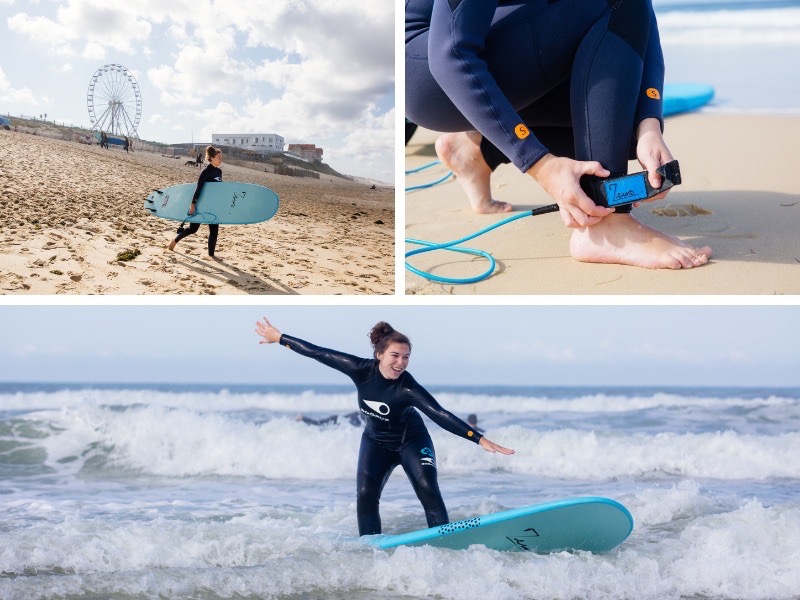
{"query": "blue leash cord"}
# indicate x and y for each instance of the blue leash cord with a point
(204, 215)
(423, 167)
(422, 186)
(453, 247)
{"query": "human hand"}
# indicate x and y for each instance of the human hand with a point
(560, 177)
(490, 446)
(191, 208)
(268, 332)
(652, 152)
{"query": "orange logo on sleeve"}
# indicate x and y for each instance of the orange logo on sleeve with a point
(653, 93)
(521, 131)
(470, 433)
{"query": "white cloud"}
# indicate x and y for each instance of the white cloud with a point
(666, 355)
(158, 119)
(94, 22)
(16, 95)
(739, 357)
(32, 350)
(332, 61)
(311, 70)
(93, 51)
(197, 73)
(373, 139)
(537, 350)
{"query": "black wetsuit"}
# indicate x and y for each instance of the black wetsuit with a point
(210, 173)
(573, 77)
(394, 433)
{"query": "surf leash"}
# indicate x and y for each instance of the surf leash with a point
(423, 186)
(207, 220)
(615, 191)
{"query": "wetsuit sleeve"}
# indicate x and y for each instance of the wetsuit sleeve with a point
(456, 40)
(651, 95)
(421, 399)
(201, 181)
(345, 363)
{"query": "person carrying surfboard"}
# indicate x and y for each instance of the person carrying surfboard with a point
(394, 433)
(212, 172)
(564, 90)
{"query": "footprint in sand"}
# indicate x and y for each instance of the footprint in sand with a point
(680, 210)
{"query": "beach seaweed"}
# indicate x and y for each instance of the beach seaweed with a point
(127, 255)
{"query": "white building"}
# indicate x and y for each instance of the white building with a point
(257, 142)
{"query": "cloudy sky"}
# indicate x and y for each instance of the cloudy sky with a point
(313, 71)
(468, 345)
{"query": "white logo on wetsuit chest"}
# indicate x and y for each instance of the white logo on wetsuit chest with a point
(379, 407)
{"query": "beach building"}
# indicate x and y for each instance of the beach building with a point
(308, 152)
(265, 143)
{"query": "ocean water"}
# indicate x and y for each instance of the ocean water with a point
(139, 492)
(749, 50)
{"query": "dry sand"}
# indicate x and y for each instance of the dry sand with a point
(69, 209)
(740, 195)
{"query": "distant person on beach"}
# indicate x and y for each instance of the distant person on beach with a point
(126, 144)
(103, 140)
(394, 433)
(353, 418)
(563, 90)
(472, 421)
(210, 174)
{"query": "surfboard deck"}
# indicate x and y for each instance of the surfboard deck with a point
(684, 97)
(223, 202)
(591, 524)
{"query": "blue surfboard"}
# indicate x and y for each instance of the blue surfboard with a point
(591, 524)
(684, 97)
(223, 202)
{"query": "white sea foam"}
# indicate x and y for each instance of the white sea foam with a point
(608, 403)
(211, 401)
(142, 494)
(308, 401)
(746, 551)
(572, 454)
(173, 442)
(768, 26)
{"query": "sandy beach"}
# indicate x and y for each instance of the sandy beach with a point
(740, 196)
(69, 210)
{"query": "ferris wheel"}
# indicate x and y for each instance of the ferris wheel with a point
(114, 101)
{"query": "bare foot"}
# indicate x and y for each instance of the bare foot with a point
(172, 245)
(461, 153)
(621, 239)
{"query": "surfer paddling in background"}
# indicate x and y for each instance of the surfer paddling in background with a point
(211, 173)
(562, 89)
(394, 433)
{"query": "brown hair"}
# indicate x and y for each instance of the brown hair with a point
(211, 152)
(383, 334)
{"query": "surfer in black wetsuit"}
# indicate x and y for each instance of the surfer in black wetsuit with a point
(394, 433)
(211, 173)
(563, 89)
(353, 418)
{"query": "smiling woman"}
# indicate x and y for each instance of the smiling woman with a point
(394, 433)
